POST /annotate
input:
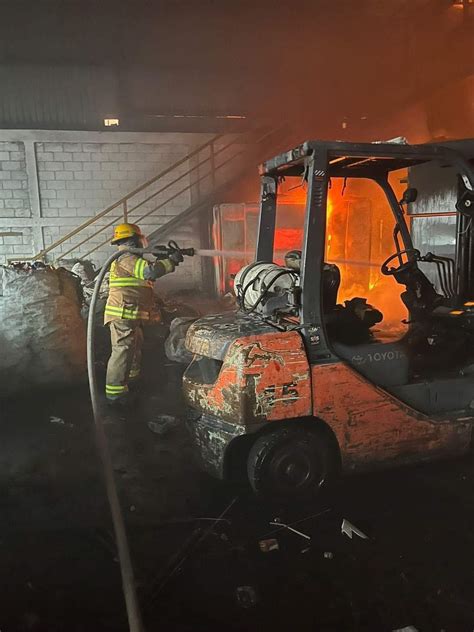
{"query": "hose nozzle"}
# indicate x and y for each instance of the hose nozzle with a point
(163, 252)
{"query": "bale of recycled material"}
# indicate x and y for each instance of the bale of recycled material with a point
(42, 334)
(175, 348)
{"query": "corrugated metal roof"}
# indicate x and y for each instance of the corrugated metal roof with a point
(56, 97)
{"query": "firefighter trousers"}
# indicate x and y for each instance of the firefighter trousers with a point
(124, 363)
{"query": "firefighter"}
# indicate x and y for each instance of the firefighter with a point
(130, 305)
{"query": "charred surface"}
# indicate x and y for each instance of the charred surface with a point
(263, 377)
(212, 436)
(374, 429)
(211, 336)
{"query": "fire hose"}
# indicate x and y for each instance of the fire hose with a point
(126, 566)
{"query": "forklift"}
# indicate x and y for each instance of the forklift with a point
(294, 387)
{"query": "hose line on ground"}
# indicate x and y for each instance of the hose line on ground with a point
(126, 567)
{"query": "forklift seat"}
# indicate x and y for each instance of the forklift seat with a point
(331, 281)
(384, 364)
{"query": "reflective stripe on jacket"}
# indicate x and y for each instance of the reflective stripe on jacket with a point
(130, 295)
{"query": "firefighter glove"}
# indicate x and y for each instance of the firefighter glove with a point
(176, 257)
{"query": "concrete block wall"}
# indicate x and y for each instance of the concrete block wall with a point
(78, 179)
(51, 182)
(14, 198)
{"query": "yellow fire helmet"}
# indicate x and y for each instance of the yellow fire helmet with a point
(124, 231)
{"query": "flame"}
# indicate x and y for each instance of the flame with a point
(359, 231)
(330, 207)
(358, 238)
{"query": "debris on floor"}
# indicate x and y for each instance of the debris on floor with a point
(57, 420)
(269, 545)
(246, 596)
(277, 522)
(348, 529)
(163, 424)
(206, 557)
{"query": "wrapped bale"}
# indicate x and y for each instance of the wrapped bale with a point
(86, 272)
(42, 334)
(175, 348)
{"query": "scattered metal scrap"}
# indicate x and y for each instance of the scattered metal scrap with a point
(277, 522)
(191, 544)
(60, 422)
(56, 420)
(269, 545)
(348, 529)
(292, 524)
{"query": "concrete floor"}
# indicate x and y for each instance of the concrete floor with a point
(59, 568)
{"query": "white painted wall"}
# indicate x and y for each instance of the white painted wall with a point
(53, 181)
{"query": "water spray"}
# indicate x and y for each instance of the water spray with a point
(243, 254)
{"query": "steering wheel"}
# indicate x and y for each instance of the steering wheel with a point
(402, 267)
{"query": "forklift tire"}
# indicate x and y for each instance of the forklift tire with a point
(290, 463)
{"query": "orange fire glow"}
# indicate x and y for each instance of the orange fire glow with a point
(359, 238)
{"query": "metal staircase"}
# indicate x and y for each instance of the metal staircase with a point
(205, 174)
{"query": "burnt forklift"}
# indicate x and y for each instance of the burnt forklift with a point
(294, 387)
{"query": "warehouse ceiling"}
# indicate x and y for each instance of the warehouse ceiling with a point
(314, 61)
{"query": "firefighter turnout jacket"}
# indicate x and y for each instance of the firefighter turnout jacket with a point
(131, 287)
